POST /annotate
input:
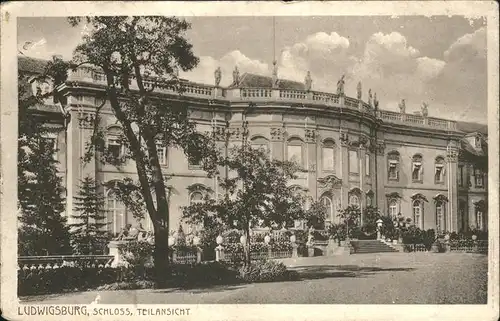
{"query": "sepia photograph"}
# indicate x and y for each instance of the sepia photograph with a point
(169, 160)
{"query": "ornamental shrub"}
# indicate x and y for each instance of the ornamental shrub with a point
(137, 253)
(264, 271)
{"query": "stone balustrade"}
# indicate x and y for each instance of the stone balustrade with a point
(189, 89)
(58, 261)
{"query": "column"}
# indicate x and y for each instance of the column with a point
(344, 168)
(311, 136)
(452, 169)
(381, 176)
(362, 173)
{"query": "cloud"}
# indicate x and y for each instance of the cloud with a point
(469, 46)
(204, 72)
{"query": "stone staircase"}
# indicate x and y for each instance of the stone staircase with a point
(370, 246)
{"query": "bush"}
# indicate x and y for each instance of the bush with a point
(207, 273)
(264, 271)
(137, 253)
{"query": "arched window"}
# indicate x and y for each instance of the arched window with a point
(393, 208)
(440, 216)
(439, 170)
(354, 200)
(328, 155)
(116, 212)
(327, 202)
(417, 213)
(295, 151)
(417, 169)
(393, 166)
(195, 198)
(260, 142)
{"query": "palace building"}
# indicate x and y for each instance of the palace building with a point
(351, 150)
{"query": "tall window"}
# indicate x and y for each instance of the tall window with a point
(461, 175)
(328, 155)
(416, 171)
(195, 198)
(353, 162)
(480, 220)
(393, 208)
(478, 177)
(440, 216)
(367, 164)
(439, 171)
(393, 166)
(417, 213)
(116, 213)
(326, 201)
(294, 151)
(115, 148)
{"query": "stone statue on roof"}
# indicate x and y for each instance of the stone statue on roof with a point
(275, 74)
(402, 106)
(217, 76)
(308, 81)
(375, 102)
(340, 85)
(236, 76)
(370, 96)
(359, 88)
(425, 111)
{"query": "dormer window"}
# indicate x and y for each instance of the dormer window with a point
(477, 142)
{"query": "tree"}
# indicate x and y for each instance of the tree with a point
(315, 215)
(42, 229)
(350, 217)
(258, 193)
(145, 51)
(87, 234)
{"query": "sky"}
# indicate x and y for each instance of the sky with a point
(440, 60)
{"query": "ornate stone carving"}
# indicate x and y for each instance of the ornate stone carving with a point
(452, 155)
(220, 133)
(275, 75)
(330, 181)
(311, 135)
(235, 133)
(87, 120)
(344, 138)
(359, 89)
(380, 148)
(370, 96)
(277, 133)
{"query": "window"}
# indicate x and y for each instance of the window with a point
(49, 144)
(417, 213)
(195, 198)
(294, 151)
(369, 200)
(416, 171)
(393, 208)
(440, 214)
(116, 213)
(354, 200)
(461, 175)
(393, 166)
(478, 177)
(330, 211)
(367, 164)
(115, 148)
(439, 171)
(328, 156)
(260, 143)
(480, 221)
(353, 162)
(162, 153)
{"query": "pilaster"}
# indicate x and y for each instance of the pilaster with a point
(452, 169)
(380, 175)
(344, 168)
(277, 143)
(312, 137)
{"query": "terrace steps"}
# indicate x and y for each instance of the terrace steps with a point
(370, 246)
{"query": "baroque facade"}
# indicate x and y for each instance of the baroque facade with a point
(351, 151)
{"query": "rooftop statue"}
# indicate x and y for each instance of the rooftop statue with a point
(340, 86)
(375, 102)
(370, 96)
(425, 111)
(402, 106)
(359, 88)
(275, 74)
(308, 81)
(217, 76)
(236, 76)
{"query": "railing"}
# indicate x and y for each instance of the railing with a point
(57, 261)
(87, 74)
(469, 246)
(257, 255)
(293, 94)
(255, 93)
(415, 248)
(183, 257)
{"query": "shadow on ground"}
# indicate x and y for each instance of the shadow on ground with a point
(335, 271)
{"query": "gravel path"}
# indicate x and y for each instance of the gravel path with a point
(386, 278)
